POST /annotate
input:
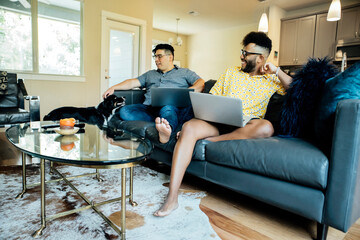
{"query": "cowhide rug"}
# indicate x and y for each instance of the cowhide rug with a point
(19, 218)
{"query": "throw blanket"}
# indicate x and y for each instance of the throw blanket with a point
(298, 112)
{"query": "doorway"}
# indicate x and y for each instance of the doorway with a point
(122, 49)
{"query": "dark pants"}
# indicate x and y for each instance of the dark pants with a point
(175, 116)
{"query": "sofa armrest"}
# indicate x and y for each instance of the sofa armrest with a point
(34, 107)
(132, 96)
(22, 88)
(34, 101)
(208, 85)
(342, 206)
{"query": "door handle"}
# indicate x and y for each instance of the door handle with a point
(107, 77)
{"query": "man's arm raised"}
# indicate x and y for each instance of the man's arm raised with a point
(125, 85)
(285, 79)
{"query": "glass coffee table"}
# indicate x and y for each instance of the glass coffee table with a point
(90, 147)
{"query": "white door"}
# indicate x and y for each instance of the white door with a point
(120, 52)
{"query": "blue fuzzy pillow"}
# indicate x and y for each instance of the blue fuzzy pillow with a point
(297, 115)
(345, 85)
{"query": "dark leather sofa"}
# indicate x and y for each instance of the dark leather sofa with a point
(289, 173)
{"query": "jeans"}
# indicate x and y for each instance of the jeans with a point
(174, 115)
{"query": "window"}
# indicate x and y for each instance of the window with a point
(44, 37)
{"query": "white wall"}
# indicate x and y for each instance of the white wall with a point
(275, 15)
(211, 53)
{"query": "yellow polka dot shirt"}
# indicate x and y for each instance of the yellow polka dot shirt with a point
(254, 91)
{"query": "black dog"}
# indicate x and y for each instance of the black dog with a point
(93, 115)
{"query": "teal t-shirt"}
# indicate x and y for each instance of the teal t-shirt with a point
(175, 78)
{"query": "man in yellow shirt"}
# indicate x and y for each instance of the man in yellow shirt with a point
(254, 90)
(254, 83)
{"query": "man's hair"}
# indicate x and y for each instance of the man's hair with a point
(166, 47)
(259, 38)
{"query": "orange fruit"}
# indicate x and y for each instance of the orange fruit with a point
(68, 122)
(67, 147)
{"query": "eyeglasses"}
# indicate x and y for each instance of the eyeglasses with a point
(246, 53)
(159, 56)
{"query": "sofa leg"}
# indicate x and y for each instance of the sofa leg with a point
(322, 230)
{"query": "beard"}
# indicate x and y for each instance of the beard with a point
(249, 67)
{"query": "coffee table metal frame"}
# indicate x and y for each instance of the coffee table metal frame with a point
(91, 204)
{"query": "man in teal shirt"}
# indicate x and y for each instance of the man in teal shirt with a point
(167, 118)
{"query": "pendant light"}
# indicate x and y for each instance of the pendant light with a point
(178, 38)
(263, 23)
(334, 13)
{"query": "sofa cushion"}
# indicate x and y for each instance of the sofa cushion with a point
(153, 136)
(9, 97)
(273, 111)
(208, 85)
(3, 83)
(199, 150)
(131, 96)
(137, 127)
(289, 159)
(345, 85)
(297, 117)
(13, 115)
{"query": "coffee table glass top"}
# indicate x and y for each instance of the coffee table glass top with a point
(89, 146)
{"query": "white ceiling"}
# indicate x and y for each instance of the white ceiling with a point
(216, 14)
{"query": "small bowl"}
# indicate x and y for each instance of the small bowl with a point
(66, 139)
(66, 132)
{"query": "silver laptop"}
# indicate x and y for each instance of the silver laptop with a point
(178, 97)
(218, 109)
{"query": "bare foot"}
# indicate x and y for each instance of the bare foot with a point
(164, 129)
(166, 208)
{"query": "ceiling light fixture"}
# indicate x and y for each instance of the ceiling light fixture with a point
(334, 13)
(263, 23)
(178, 39)
(194, 13)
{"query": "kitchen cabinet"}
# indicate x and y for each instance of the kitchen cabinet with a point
(349, 24)
(297, 40)
(325, 36)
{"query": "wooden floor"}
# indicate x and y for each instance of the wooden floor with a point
(237, 217)
(232, 215)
